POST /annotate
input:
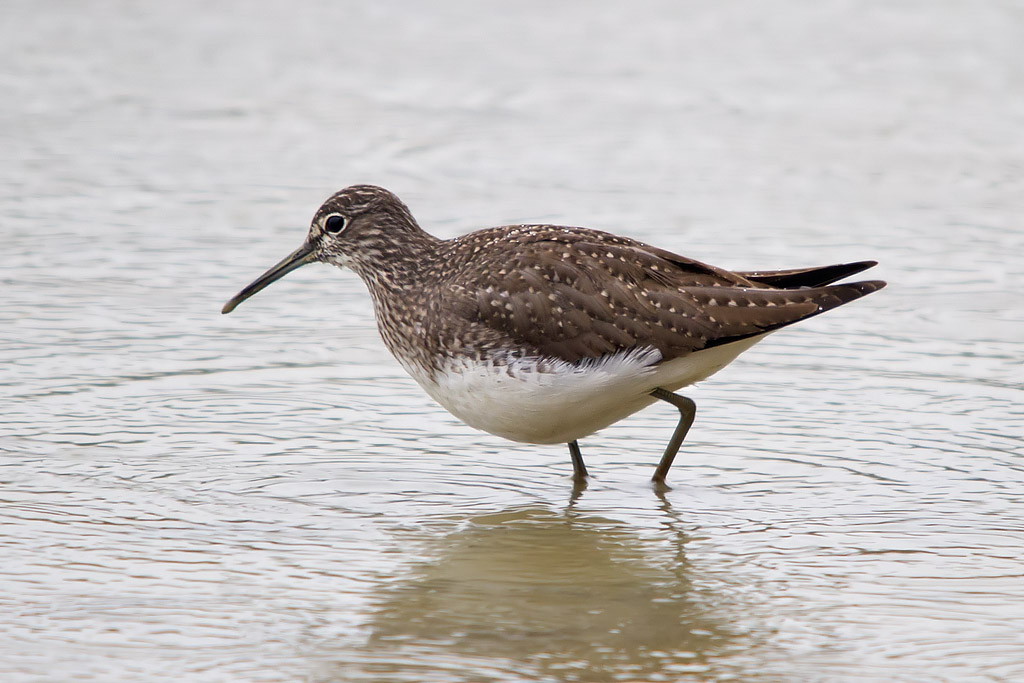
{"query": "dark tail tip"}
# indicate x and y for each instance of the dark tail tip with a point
(837, 295)
(867, 286)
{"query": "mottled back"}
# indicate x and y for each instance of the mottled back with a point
(576, 293)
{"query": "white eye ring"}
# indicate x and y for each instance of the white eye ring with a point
(334, 224)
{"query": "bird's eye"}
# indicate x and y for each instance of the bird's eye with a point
(334, 224)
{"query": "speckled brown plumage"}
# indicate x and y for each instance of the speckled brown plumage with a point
(551, 291)
(576, 293)
(570, 329)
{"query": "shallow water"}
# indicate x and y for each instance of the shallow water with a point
(267, 497)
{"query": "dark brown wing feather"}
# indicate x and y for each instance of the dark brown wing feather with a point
(808, 277)
(578, 294)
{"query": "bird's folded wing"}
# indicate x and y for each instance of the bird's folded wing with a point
(585, 299)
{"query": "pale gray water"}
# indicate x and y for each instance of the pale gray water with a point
(267, 497)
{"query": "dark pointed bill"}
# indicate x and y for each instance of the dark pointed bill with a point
(296, 259)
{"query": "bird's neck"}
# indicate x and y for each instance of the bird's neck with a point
(400, 284)
(390, 268)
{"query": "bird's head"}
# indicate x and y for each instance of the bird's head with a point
(362, 227)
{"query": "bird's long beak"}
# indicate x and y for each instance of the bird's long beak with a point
(298, 258)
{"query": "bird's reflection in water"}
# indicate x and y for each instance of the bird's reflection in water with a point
(542, 594)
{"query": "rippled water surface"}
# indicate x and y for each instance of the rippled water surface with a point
(267, 497)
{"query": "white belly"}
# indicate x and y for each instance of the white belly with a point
(565, 402)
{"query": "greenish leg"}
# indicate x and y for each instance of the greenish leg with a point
(579, 470)
(687, 411)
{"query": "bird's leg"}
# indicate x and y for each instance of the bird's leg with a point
(687, 411)
(579, 470)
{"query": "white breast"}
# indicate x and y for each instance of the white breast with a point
(552, 401)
